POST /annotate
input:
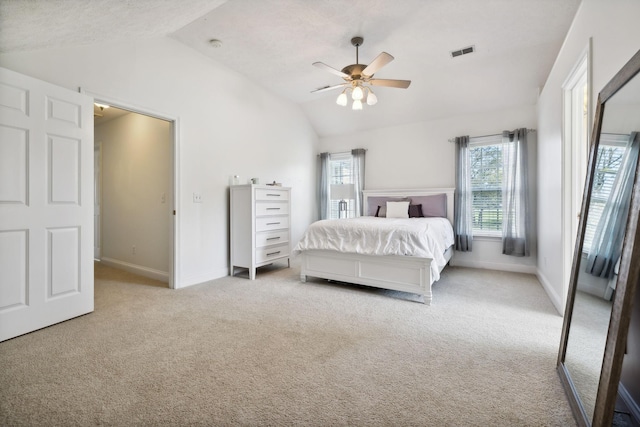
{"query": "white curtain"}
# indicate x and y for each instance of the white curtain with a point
(607, 240)
(515, 194)
(323, 185)
(358, 177)
(463, 209)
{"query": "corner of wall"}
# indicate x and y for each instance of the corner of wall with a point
(556, 299)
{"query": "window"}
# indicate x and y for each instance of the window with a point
(486, 160)
(341, 172)
(610, 153)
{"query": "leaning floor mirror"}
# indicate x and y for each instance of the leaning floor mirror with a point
(606, 264)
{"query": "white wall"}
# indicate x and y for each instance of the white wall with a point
(136, 200)
(613, 27)
(419, 155)
(228, 125)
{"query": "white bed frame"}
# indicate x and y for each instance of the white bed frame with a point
(400, 273)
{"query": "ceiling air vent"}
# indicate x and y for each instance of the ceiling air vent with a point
(463, 51)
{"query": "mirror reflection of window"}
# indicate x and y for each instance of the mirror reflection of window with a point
(610, 152)
(613, 174)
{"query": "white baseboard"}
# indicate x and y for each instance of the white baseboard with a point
(201, 278)
(556, 300)
(632, 405)
(151, 273)
(516, 268)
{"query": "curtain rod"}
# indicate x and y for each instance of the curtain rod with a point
(346, 152)
(485, 136)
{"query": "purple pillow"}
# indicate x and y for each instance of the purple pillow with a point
(432, 206)
(415, 211)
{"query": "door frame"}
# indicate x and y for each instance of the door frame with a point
(571, 189)
(97, 190)
(174, 234)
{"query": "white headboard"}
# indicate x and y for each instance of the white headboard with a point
(412, 192)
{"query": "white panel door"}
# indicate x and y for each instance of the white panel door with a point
(46, 204)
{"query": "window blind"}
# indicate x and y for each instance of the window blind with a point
(486, 161)
(341, 170)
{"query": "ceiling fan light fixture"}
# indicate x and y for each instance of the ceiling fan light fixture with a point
(358, 78)
(342, 99)
(358, 93)
(372, 99)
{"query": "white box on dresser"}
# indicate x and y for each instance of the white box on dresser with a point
(260, 230)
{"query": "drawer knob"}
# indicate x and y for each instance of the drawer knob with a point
(273, 209)
(273, 223)
(273, 238)
(273, 253)
(273, 195)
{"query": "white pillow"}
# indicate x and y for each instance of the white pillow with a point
(398, 209)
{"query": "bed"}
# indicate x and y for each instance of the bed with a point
(346, 261)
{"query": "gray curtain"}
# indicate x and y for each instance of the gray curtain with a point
(607, 240)
(358, 177)
(323, 185)
(515, 194)
(463, 209)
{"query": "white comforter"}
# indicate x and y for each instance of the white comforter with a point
(420, 237)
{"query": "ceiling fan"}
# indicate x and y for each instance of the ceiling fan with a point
(359, 77)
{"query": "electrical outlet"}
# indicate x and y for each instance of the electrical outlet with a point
(133, 250)
(163, 198)
(197, 198)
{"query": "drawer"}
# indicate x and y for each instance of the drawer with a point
(272, 252)
(269, 194)
(267, 223)
(271, 238)
(272, 208)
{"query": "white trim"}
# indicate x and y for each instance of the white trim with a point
(515, 268)
(202, 278)
(97, 187)
(570, 189)
(556, 300)
(488, 235)
(480, 141)
(174, 235)
(631, 404)
(136, 269)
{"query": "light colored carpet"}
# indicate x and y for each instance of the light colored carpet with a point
(276, 351)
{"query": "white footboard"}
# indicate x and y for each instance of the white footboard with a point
(400, 273)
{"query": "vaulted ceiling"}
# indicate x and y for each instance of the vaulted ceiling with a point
(274, 43)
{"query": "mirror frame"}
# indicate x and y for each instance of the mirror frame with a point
(626, 284)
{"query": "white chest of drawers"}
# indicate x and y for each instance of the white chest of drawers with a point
(260, 230)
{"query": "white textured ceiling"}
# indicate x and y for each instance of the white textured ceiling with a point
(41, 24)
(274, 43)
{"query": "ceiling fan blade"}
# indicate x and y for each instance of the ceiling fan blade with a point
(332, 70)
(380, 61)
(402, 84)
(328, 88)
